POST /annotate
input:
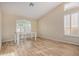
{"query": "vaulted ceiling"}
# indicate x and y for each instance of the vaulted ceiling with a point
(23, 9)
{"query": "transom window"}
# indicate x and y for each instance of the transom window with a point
(71, 5)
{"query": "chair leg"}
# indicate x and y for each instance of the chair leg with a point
(31, 35)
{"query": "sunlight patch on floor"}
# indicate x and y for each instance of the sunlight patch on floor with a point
(9, 54)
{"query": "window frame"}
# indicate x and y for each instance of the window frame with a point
(29, 22)
(70, 25)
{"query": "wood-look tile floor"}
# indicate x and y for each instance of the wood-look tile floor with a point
(40, 47)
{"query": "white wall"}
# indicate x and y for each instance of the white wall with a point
(9, 26)
(51, 26)
(0, 26)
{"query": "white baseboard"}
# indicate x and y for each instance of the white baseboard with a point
(63, 41)
(7, 40)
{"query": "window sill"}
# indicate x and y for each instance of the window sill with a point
(71, 36)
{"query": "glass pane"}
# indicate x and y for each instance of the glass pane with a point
(74, 24)
(67, 24)
(23, 26)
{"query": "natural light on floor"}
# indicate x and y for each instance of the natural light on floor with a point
(9, 54)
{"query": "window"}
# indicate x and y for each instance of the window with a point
(67, 24)
(23, 26)
(74, 24)
(71, 24)
(71, 19)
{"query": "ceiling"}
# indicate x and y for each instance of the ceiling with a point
(23, 9)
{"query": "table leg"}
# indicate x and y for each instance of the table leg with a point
(31, 35)
(18, 38)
